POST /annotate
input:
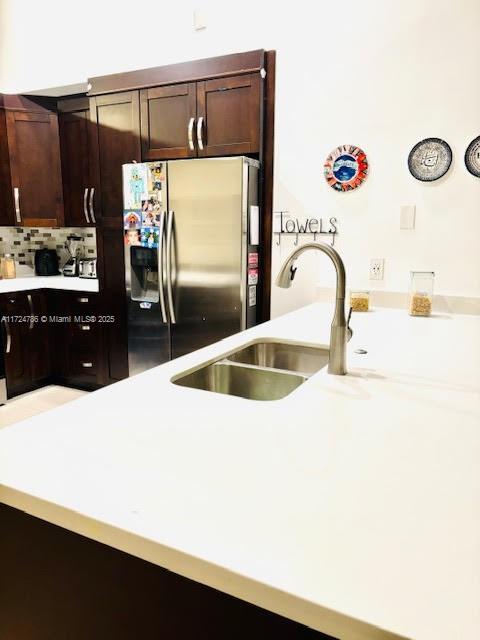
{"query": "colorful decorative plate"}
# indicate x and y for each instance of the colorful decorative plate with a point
(472, 157)
(430, 159)
(346, 168)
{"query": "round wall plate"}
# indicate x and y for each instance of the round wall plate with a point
(472, 157)
(346, 168)
(430, 159)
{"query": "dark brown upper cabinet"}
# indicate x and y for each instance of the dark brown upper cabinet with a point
(114, 140)
(167, 121)
(30, 167)
(218, 117)
(228, 116)
(73, 120)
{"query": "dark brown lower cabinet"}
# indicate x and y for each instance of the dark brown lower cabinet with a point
(76, 334)
(57, 584)
(77, 345)
(25, 340)
(113, 303)
(39, 343)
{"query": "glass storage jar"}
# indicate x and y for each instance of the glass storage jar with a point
(360, 300)
(7, 266)
(421, 293)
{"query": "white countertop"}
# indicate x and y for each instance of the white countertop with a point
(27, 282)
(352, 505)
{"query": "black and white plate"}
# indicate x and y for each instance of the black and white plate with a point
(430, 159)
(472, 157)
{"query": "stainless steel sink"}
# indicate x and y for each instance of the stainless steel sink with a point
(282, 355)
(253, 383)
(261, 370)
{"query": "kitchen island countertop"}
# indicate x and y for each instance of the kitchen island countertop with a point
(351, 506)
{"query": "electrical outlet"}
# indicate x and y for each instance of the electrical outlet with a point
(376, 268)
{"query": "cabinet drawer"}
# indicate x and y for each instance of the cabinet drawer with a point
(83, 365)
(83, 332)
(82, 304)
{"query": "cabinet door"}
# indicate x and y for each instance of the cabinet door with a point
(17, 359)
(38, 338)
(228, 111)
(114, 139)
(114, 365)
(73, 124)
(36, 177)
(7, 211)
(58, 333)
(167, 122)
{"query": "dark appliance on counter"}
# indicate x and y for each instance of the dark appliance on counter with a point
(87, 268)
(191, 232)
(46, 262)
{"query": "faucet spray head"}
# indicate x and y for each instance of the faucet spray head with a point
(286, 275)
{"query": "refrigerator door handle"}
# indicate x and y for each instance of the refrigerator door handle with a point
(169, 267)
(199, 133)
(190, 134)
(161, 284)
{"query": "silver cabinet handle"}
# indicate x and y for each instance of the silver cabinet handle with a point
(199, 133)
(8, 346)
(190, 134)
(92, 210)
(16, 197)
(85, 327)
(87, 365)
(82, 299)
(85, 198)
(30, 304)
(161, 261)
(169, 267)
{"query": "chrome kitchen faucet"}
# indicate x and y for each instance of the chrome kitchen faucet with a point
(340, 332)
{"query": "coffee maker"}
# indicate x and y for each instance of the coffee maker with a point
(74, 248)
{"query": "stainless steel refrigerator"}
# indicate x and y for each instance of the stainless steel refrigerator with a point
(191, 232)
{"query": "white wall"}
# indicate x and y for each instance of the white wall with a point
(380, 74)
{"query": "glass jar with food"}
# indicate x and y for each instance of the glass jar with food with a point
(7, 266)
(421, 293)
(360, 300)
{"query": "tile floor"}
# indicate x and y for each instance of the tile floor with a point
(38, 401)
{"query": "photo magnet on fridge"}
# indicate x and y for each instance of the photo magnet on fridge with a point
(150, 213)
(132, 219)
(131, 237)
(149, 237)
(156, 177)
(134, 185)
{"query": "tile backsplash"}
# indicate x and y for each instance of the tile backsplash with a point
(22, 242)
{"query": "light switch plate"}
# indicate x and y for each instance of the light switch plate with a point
(407, 216)
(199, 20)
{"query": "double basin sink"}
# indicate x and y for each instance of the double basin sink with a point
(261, 370)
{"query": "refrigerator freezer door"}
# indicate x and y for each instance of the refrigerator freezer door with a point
(148, 334)
(148, 325)
(207, 198)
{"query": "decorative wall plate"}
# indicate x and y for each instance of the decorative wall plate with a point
(472, 157)
(346, 168)
(430, 159)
